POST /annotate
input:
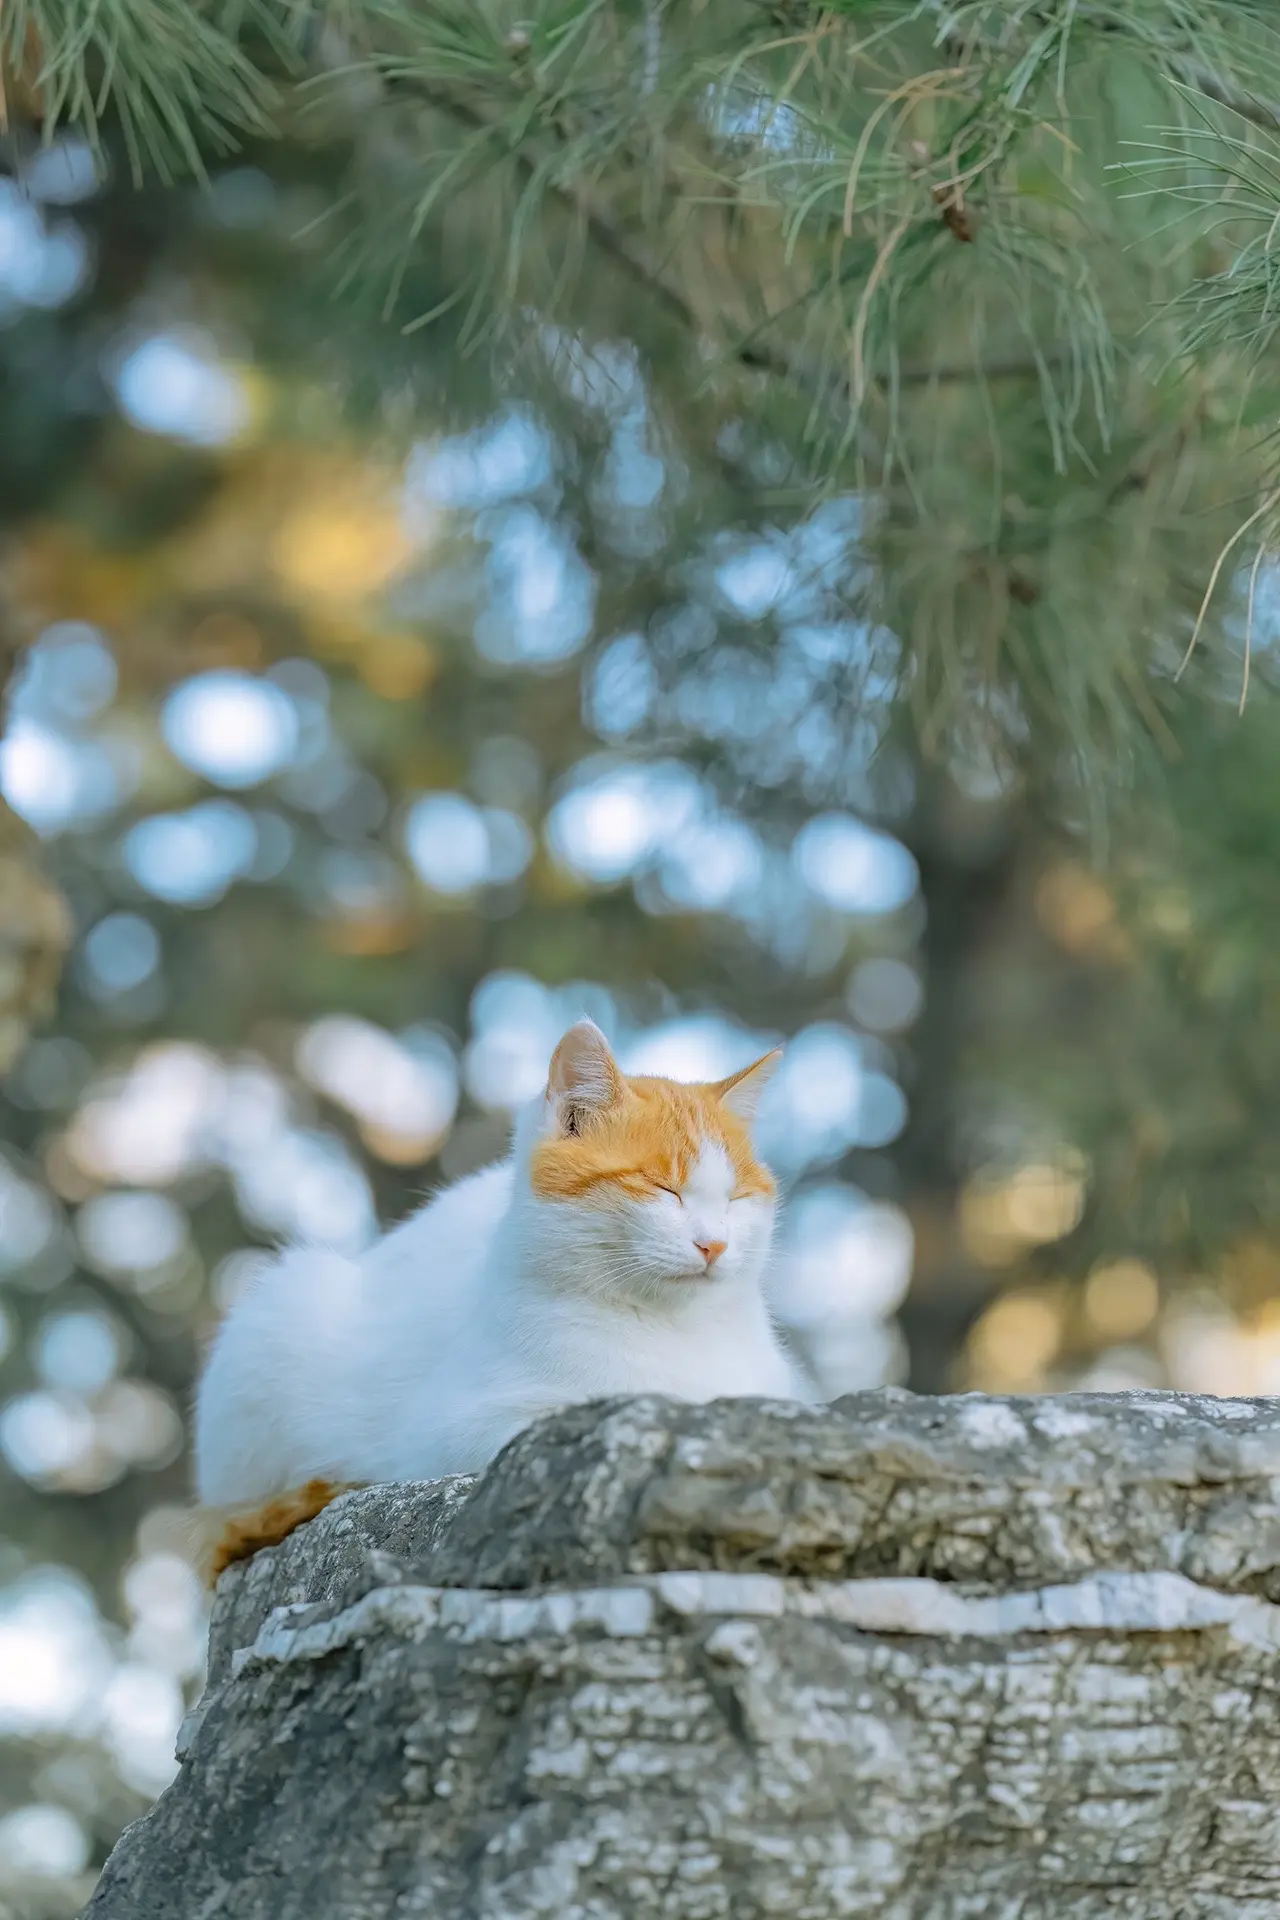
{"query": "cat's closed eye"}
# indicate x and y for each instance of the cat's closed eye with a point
(659, 1188)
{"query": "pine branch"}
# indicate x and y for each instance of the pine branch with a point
(956, 372)
(842, 219)
(1118, 19)
(753, 354)
(608, 234)
(1260, 113)
(175, 73)
(561, 120)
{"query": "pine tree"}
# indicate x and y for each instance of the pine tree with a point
(1004, 268)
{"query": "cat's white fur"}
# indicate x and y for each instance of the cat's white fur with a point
(488, 1308)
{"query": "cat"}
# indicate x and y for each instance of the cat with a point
(621, 1249)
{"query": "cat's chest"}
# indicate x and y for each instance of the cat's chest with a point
(689, 1362)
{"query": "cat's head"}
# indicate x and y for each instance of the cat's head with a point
(642, 1184)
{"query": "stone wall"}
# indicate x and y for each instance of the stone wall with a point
(899, 1658)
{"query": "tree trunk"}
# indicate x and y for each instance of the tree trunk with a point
(969, 859)
(904, 1658)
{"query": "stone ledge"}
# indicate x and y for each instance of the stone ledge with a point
(899, 1658)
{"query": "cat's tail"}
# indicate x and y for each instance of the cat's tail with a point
(237, 1536)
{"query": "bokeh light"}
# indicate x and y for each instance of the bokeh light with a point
(119, 953)
(403, 1095)
(234, 728)
(42, 1841)
(190, 859)
(42, 263)
(176, 385)
(852, 867)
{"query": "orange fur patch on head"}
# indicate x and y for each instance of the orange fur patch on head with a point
(646, 1138)
(268, 1525)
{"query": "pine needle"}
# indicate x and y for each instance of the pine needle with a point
(1248, 625)
(1257, 514)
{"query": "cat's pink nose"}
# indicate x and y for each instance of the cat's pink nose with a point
(711, 1249)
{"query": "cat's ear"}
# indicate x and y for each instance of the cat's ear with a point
(741, 1091)
(584, 1078)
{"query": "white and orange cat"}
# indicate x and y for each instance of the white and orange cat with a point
(620, 1250)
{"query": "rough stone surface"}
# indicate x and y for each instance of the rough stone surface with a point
(375, 1536)
(903, 1659)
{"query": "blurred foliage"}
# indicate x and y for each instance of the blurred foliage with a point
(695, 514)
